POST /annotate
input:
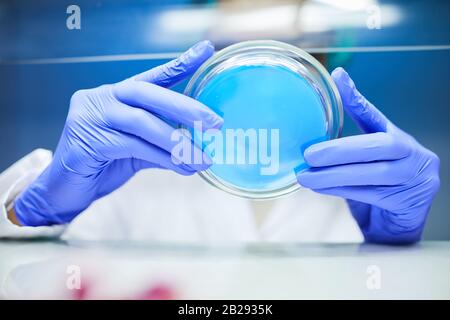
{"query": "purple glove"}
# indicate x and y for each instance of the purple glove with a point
(388, 178)
(112, 132)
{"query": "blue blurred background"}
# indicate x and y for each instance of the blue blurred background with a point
(403, 66)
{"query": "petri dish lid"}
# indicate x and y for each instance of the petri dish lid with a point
(274, 95)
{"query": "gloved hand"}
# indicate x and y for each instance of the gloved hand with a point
(112, 132)
(388, 178)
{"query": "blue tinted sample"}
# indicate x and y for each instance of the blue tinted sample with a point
(263, 97)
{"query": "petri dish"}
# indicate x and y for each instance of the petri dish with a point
(276, 100)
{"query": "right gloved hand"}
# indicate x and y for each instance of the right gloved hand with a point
(388, 178)
(112, 132)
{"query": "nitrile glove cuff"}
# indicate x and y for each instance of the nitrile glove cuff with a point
(30, 208)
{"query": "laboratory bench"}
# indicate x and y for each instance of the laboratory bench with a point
(141, 270)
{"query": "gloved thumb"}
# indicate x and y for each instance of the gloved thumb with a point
(176, 70)
(362, 112)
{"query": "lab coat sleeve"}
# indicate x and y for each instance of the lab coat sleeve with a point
(13, 181)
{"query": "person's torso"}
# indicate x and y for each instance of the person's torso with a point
(162, 206)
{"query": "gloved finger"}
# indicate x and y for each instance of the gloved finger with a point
(125, 146)
(126, 168)
(138, 164)
(379, 196)
(366, 116)
(365, 194)
(169, 104)
(176, 70)
(354, 149)
(386, 173)
(154, 130)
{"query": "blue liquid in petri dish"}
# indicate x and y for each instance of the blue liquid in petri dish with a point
(263, 97)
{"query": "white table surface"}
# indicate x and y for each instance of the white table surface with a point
(42, 269)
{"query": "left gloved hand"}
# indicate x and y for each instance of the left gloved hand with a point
(388, 178)
(114, 131)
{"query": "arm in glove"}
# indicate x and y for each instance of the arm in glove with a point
(388, 178)
(112, 132)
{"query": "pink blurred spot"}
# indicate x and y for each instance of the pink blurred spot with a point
(82, 293)
(157, 292)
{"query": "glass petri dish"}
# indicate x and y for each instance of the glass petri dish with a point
(276, 100)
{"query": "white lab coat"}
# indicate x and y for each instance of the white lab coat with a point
(158, 205)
